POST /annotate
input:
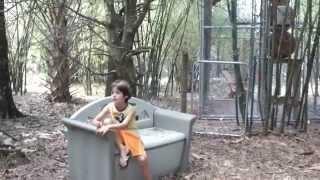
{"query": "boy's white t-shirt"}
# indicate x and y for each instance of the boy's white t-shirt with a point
(120, 116)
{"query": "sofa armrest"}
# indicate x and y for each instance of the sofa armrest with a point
(90, 156)
(173, 120)
(180, 122)
(79, 124)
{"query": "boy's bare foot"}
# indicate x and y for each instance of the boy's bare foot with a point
(124, 157)
(124, 151)
(124, 161)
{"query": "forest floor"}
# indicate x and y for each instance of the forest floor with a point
(42, 148)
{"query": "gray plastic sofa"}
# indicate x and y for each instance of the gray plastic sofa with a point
(166, 135)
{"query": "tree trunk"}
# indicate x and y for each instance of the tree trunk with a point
(121, 30)
(241, 94)
(88, 81)
(124, 70)
(7, 106)
(58, 64)
(316, 78)
(184, 81)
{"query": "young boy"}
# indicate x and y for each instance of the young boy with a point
(123, 123)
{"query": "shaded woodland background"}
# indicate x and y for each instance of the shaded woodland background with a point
(97, 42)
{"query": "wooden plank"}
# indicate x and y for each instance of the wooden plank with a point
(282, 100)
(284, 61)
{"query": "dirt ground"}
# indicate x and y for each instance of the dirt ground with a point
(42, 148)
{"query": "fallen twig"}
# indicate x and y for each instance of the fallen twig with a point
(307, 153)
(10, 136)
(217, 134)
(315, 167)
(196, 156)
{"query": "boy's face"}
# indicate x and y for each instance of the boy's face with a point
(117, 96)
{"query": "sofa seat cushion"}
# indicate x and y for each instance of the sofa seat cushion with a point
(144, 123)
(155, 137)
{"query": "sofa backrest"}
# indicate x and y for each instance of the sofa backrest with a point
(144, 109)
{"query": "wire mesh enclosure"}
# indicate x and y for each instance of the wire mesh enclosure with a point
(217, 78)
(250, 67)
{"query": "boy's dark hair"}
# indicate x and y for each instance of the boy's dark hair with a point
(122, 86)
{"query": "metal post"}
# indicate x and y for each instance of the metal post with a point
(205, 20)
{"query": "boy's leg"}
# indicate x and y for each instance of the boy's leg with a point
(122, 148)
(119, 141)
(144, 164)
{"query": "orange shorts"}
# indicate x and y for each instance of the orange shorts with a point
(132, 141)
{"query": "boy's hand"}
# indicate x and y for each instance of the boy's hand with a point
(98, 124)
(103, 130)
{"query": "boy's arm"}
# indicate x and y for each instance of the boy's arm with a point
(98, 120)
(104, 129)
